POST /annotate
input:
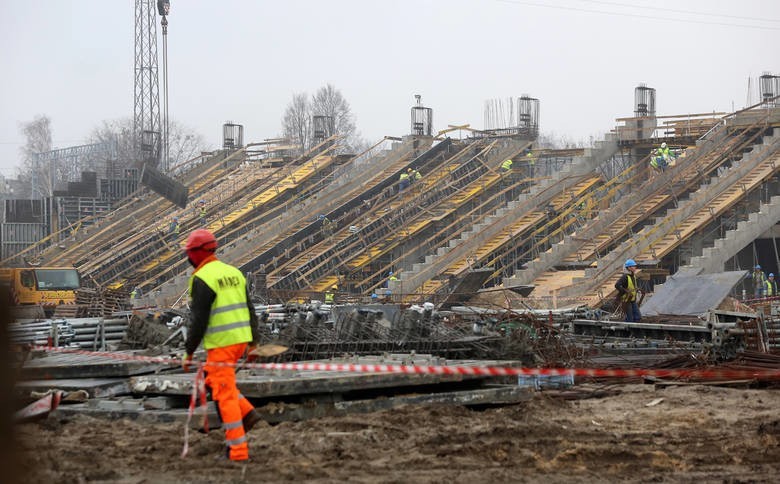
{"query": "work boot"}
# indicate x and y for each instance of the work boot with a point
(224, 458)
(250, 420)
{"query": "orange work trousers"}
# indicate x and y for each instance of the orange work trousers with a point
(233, 407)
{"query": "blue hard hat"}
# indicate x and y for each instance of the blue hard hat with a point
(630, 263)
(758, 266)
(771, 274)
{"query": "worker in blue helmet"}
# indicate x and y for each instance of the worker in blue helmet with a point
(770, 286)
(759, 281)
(627, 292)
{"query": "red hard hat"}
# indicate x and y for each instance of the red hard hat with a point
(201, 239)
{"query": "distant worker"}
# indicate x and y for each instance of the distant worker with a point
(173, 228)
(531, 161)
(202, 212)
(770, 286)
(661, 158)
(135, 293)
(330, 294)
(327, 226)
(585, 208)
(657, 161)
(506, 166)
(224, 319)
(759, 281)
(403, 181)
(627, 292)
(414, 175)
(664, 152)
(550, 212)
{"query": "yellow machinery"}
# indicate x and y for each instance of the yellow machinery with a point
(44, 286)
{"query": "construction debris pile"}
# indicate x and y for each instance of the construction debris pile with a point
(557, 338)
(132, 375)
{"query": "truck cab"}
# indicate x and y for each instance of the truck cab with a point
(44, 286)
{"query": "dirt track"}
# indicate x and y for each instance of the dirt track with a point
(697, 433)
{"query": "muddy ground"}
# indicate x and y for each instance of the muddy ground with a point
(642, 434)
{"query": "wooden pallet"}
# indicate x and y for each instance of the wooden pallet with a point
(65, 311)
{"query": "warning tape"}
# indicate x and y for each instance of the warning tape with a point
(560, 298)
(198, 390)
(706, 373)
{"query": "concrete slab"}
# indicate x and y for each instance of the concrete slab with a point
(275, 412)
(466, 286)
(95, 387)
(70, 365)
(688, 294)
(265, 384)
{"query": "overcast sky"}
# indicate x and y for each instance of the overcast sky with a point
(243, 60)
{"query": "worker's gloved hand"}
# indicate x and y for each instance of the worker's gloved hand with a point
(186, 361)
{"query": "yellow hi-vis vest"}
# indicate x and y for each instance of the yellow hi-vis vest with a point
(403, 176)
(630, 295)
(229, 321)
(506, 165)
(769, 288)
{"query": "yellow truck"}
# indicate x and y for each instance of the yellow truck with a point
(47, 287)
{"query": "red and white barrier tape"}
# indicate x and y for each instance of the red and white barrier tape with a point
(706, 373)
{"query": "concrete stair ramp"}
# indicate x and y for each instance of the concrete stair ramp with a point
(613, 223)
(653, 242)
(540, 194)
(713, 259)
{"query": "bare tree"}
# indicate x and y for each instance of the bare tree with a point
(296, 123)
(552, 140)
(42, 175)
(119, 131)
(327, 101)
(184, 143)
(37, 134)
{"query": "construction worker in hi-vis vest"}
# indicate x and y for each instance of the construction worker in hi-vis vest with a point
(224, 320)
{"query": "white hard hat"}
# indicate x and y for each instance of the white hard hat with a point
(663, 145)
